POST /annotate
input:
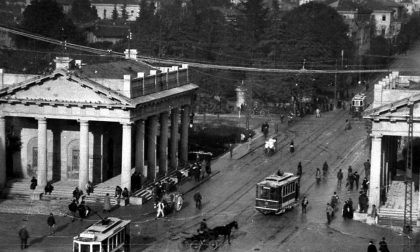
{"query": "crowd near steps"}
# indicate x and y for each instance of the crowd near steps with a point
(63, 190)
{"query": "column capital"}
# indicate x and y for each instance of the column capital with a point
(376, 135)
(41, 119)
(127, 124)
(83, 122)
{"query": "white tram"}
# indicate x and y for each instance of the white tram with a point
(277, 193)
(358, 105)
(107, 235)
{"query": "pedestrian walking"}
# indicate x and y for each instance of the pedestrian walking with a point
(231, 149)
(48, 188)
(51, 223)
(77, 193)
(383, 246)
(299, 169)
(23, 236)
(318, 112)
(329, 211)
(292, 147)
(339, 177)
(367, 168)
(73, 209)
(365, 185)
(203, 169)
(89, 188)
(356, 177)
(34, 183)
(126, 196)
(107, 203)
(347, 125)
(325, 168)
(305, 203)
(197, 199)
(160, 207)
(371, 247)
(118, 192)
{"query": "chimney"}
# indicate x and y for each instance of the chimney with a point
(62, 63)
(130, 54)
(127, 85)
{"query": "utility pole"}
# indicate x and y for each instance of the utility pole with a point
(129, 38)
(408, 199)
(335, 85)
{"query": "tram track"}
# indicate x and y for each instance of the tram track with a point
(235, 196)
(306, 140)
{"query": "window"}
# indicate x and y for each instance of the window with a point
(96, 248)
(75, 160)
(35, 157)
(383, 18)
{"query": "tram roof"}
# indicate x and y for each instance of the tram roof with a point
(359, 96)
(275, 180)
(102, 229)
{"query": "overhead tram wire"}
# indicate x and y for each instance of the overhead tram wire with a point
(195, 64)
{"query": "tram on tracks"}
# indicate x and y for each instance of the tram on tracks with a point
(277, 193)
(107, 235)
(358, 105)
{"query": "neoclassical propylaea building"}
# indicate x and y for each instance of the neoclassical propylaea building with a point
(94, 122)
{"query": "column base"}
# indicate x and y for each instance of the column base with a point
(37, 194)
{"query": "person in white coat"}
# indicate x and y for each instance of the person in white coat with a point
(160, 207)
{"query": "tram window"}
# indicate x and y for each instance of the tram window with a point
(76, 247)
(293, 187)
(84, 247)
(272, 193)
(96, 248)
(264, 192)
(104, 245)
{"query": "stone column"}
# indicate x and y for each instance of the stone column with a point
(375, 170)
(84, 154)
(140, 147)
(184, 134)
(174, 138)
(126, 157)
(42, 152)
(2, 152)
(151, 148)
(163, 143)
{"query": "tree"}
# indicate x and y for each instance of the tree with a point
(115, 13)
(82, 11)
(124, 13)
(46, 17)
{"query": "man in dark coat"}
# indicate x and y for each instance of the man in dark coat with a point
(23, 235)
(367, 168)
(34, 183)
(51, 223)
(371, 247)
(197, 199)
(356, 179)
(73, 209)
(383, 247)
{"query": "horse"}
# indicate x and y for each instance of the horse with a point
(224, 230)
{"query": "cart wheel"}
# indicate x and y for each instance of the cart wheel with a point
(183, 245)
(214, 244)
(178, 203)
(196, 245)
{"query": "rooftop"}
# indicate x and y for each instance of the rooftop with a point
(116, 69)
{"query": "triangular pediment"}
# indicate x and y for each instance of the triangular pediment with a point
(64, 88)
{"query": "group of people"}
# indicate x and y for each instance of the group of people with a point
(80, 207)
(383, 246)
(122, 194)
(199, 169)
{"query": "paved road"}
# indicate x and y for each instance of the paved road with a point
(231, 195)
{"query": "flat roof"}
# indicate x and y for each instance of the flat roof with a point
(102, 230)
(275, 180)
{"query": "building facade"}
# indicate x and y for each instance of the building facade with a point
(79, 125)
(393, 96)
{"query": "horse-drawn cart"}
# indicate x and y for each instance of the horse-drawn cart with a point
(209, 238)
